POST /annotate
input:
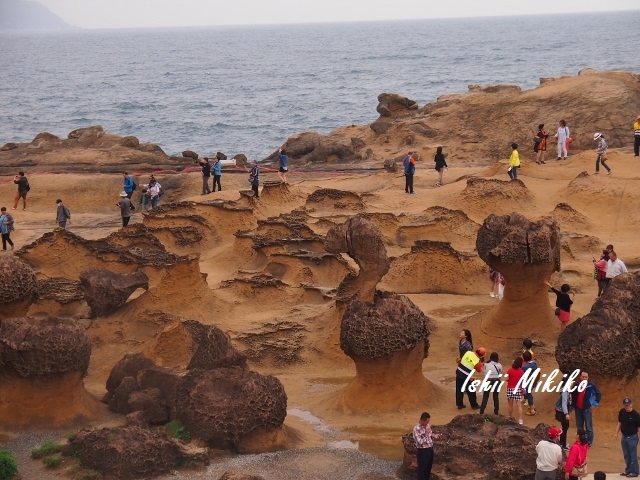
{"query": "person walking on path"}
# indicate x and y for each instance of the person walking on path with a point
(636, 137)
(283, 165)
(549, 455)
(254, 178)
(514, 162)
(628, 426)
(615, 267)
(423, 438)
(217, 173)
(540, 145)
(563, 303)
(441, 165)
(577, 457)
(583, 403)
(206, 175)
(493, 370)
(128, 185)
(470, 363)
(601, 153)
(563, 134)
(62, 214)
(514, 391)
(6, 227)
(23, 189)
(563, 414)
(409, 167)
(600, 267)
(154, 190)
(125, 208)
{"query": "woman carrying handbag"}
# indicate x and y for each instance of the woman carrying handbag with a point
(576, 465)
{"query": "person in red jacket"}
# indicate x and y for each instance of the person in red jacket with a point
(514, 391)
(577, 456)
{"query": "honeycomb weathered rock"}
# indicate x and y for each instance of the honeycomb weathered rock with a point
(105, 291)
(17, 282)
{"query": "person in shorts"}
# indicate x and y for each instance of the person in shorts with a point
(563, 304)
(283, 164)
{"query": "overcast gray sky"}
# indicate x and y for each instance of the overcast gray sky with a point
(178, 13)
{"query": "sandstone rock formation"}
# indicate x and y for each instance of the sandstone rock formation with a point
(480, 447)
(362, 241)
(106, 291)
(148, 453)
(239, 476)
(392, 105)
(388, 340)
(42, 364)
(309, 148)
(18, 286)
(526, 253)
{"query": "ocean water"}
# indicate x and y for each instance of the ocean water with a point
(246, 89)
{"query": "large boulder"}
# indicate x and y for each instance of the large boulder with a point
(86, 134)
(106, 291)
(18, 286)
(392, 105)
(526, 253)
(312, 148)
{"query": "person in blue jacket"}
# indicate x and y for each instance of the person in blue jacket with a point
(409, 165)
(127, 184)
(217, 173)
(583, 402)
(284, 165)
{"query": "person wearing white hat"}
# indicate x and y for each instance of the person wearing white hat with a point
(125, 208)
(601, 151)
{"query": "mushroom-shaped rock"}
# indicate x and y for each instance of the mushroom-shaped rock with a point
(387, 340)
(526, 253)
(391, 105)
(226, 405)
(105, 291)
(362, 240)
(42, 365)
(606, 341)
(481, 447)
(18, 286)
(148, 453)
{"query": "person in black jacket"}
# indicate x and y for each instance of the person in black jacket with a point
(441, 164)
(23, 189)
(206, 174)
(563, 304)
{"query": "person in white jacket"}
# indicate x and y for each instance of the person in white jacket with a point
(562, 135)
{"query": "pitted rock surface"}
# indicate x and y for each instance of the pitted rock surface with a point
(374, 330)
(214, 348)
(312, 148)
(106, 291)
(481, 447)
(606, 341)
(17, 281)
(224, 405)
(36, 348)
(362, 240)
(60, 289)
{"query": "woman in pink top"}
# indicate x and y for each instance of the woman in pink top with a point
(601, 271)
(577, 454)
(514, 392)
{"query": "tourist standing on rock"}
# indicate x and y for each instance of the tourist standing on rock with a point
(465, 343)
(601, 152)
(563, 415)
(514, 391)
(563, 135)
(493, 370)
(283, 165)
(23, 189)
(128, 185)
(540, 144)
(423, 438)
(154, 191)
(409, 166)
(576, 465)
(628, 425)
(600, 267)
(206, 175)
(6, 227)
(615, 267)
(636, 137)
(549, 456)
(563, 303)
(441, 165)
(254, 179)
(125, 208)
(470, 363)
(63, 215)
(514, 162)
(217, 173)
(583, 402)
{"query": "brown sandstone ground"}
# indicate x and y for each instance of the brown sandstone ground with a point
(293, 332)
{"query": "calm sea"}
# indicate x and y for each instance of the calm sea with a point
(246, 89)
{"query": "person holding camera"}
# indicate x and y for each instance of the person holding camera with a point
(23, 189)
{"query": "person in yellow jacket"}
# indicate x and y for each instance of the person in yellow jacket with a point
(470, 362)
(636, 137)
(514, 162)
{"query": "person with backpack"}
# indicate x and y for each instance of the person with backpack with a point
(23, 189)
(6, 227)
(601, 153)
(540, 144)
(128, 185)
(206, 174)
(62, 214)
(409, 165)
(254, 178)
(441, 164)
(217, 173)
